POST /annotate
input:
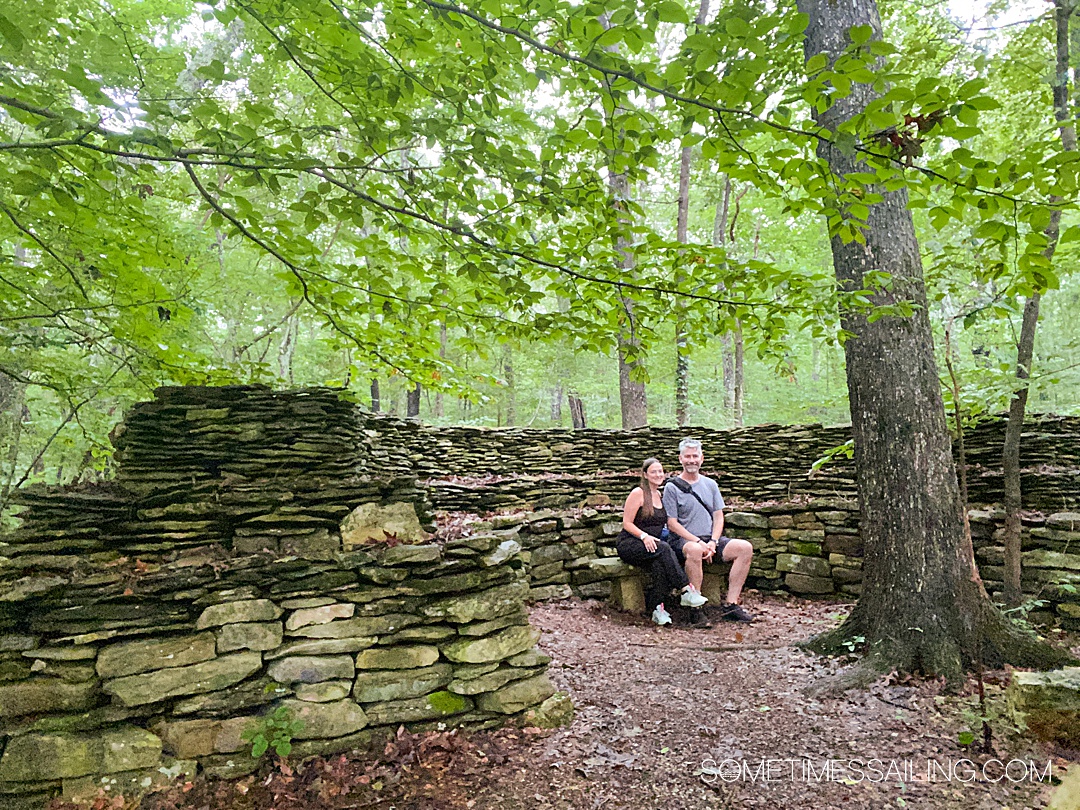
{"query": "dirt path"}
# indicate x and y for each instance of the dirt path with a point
(661, 711)
(680, 719)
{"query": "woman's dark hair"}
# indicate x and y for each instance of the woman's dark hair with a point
(646, 487)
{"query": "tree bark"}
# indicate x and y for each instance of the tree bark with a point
(442, 356)
(577, 411)
(375, 404)
(1025, 349)
(632, 401)
(556, 404)
(511, 392)
(922, 608)
(682, 362)
(737, 375)
(412, 403)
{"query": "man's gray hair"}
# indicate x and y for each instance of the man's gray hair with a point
(689, 444)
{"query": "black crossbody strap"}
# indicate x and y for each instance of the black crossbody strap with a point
(685, 487)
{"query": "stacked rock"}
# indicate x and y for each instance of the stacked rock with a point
(197, 655)
(810, 548)
(243, 466)
(1050, 564)
(757, 463)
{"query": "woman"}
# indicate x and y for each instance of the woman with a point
(640, 543)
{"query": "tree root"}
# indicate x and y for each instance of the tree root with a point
(989, 640)
(858, 676)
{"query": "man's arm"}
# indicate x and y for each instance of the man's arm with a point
(717, 524)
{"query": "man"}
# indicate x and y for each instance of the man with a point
(695, 512)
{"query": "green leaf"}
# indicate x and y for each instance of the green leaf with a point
(860, 34)
(736, 27)
(672, 12)
(11, 34)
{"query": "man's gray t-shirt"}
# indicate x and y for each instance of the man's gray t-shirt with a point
(685, 508)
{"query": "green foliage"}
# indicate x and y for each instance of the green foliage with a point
(275, 730)
(295, 194)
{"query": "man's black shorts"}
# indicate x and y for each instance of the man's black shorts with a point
(677, 544)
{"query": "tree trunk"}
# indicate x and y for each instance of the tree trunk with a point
(511, 392)
(1025, 350)
(375, 404)
(632, 402)
(682, 362)
(12, 407)
(577, 411)
(556, 404)
(287, 350)
(412, 403)
(442, 356)
(922, 606)
(737, 375)
(731, 343)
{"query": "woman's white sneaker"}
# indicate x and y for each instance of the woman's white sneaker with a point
(661, 616)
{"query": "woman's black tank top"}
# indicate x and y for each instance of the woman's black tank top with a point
(653, 524)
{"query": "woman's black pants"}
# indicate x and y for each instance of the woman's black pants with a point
(665, 572)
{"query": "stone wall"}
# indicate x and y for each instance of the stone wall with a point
(129, 668)
(262, 549)
(241, 562)
(810, 548)
(765, 462)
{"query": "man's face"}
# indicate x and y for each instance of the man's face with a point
(691, 459)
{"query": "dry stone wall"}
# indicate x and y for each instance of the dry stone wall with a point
(134, 672)
(810, 548)
(244, 560)
(765, 462)
(262, 549)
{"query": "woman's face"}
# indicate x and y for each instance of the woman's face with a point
(655, 474)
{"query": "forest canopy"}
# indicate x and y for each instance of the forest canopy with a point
(487, 208)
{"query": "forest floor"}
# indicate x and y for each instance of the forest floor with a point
(682, 719)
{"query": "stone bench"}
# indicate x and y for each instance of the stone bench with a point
(628, 583)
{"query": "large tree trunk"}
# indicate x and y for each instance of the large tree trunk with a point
(1025, 349)
(375, 403)
(922, 606)
(632, 402)
(682, 361)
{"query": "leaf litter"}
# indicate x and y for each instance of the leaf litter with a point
(661, 716)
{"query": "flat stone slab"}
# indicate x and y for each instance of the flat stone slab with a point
(209, 676)
(312, 668)
(247, 610)
(497, 647)
(1047, 703)
(133, 657)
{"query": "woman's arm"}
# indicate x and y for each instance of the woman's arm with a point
(630, 509)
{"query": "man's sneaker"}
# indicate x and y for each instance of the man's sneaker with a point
(734, 613)
(661, 616)
(692, 599)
